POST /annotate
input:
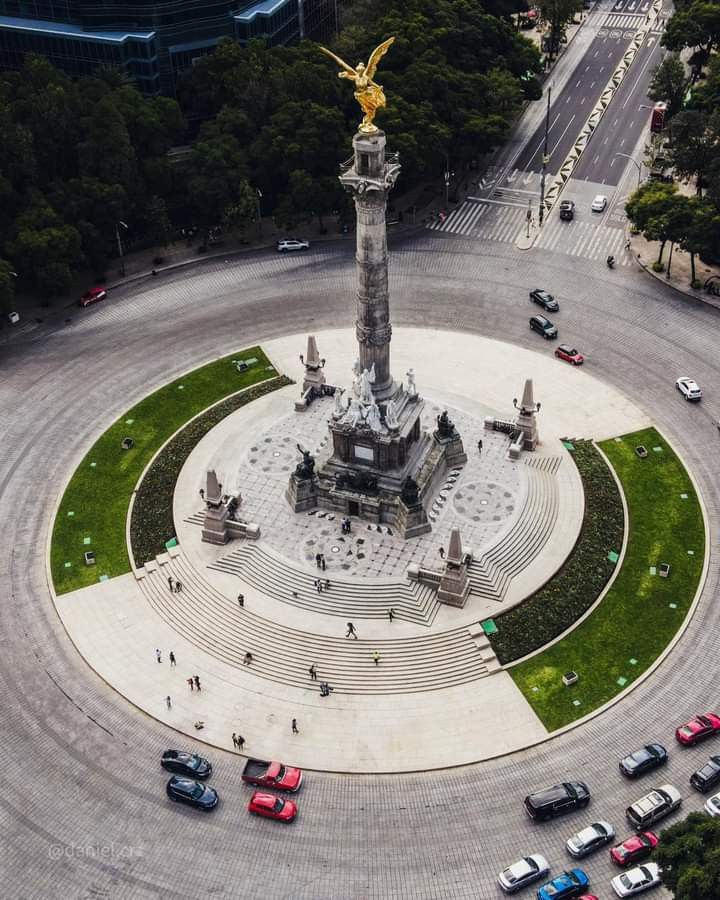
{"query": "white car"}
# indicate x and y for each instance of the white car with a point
(292, 244)
(523, 872)
(13, 318)
(689, 388)
(712, 805)
(591, 838)
(637, 880)
(599, 203)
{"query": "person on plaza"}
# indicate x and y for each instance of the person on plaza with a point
(158, 656)
(248, 659)
(391, 614)
(241, 600)
(480, 445)
(170, 583)
(240, 742)
(191, 683)
(172, 658)
(234, 740)
(168, 702)
(312, 671)
(351, 631)
(196, 679)
(178, 587)
(441, 551)
(376, 657)
(294, 727)
(318, 557)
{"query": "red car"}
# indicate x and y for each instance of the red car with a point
(634, 848)
(569, 354)
(272, 807)
(698, 728)
(94, 295)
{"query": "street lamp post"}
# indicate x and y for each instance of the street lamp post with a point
(120, 246)
(637, 165)
(545, 159)
(259, 212)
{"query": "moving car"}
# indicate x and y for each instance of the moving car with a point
(543, 326)
(544, 299)
(272, 774)
(653, 806)
(94, 295)
(569, 354)
(292, 244)
(272, 807)
(635, 848)
(567, 210)
(189, 764)
(689, 388)
(712, 806)
(568, 884)
(643, 760)
(698, 728)
(589, 839)
(708, 776)
(523, 872)
(187, 790)
(558, 799)
(599, 203)
(636, 880)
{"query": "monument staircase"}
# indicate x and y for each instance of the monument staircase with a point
(216, 625)
(361, 599)
(491, 572)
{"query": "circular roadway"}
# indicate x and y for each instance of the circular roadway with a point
(83, 807)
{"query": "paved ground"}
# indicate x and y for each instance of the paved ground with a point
(83, 811)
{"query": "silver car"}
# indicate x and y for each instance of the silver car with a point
(589, 839)
(712, 806)
(637, 880)
(523, 872)
(287, 244)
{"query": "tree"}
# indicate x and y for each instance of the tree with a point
(653, 209)
(689, 858)
(158, 227)
(557, 13)
(695, 144)
(7, 286)
(701, 232)
(669, 83)
(242, 209)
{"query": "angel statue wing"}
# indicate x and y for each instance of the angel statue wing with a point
(376, 56)
(340, 62)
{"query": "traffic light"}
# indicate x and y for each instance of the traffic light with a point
(657, 123)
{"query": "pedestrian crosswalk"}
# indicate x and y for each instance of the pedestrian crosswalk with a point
(490, 221)
(623, 20)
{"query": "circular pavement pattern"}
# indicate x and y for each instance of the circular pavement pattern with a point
(83, 809)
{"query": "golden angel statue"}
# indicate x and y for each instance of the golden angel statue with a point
(368, 94)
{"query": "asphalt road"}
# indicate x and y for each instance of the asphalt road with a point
(623, 122)
(83, 812)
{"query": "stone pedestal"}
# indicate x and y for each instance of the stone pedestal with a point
(301, 493)
(411, 521)
(526, 422)
(215, 525)
(454, 584)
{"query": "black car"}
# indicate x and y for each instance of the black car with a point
(558, 799)
(186, 790)
(643, 760)
(708, 776)
(542, 298)
(543, 326)
(188, 764)
(567, 210)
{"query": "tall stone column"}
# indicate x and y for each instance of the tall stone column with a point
(370, 177)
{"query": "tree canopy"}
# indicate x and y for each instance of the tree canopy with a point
(689, 856)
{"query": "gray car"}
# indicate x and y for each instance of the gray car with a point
(589, 839)
(543, 326)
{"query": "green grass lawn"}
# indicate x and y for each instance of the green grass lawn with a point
(93, 510)
(642, 611)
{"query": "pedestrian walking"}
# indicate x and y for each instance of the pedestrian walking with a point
(170, 582)
(391, 614)
(158, 656)
(202, 493)
(234, 740)
(294, 727)
(178, 587)
(240, 742)
(241, 600)
(376, 657)
(322, 561)
(327, 585)
(248, 659)
(312, 672)
(441, 551)
(351, 631)
(480, 446)
(196, 679)
(191, 683)
(168, 702)
(318, 557)
(172, 658)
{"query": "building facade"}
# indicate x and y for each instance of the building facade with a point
(151, 41)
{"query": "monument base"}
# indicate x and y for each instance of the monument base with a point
(215, 526)
(301, 493)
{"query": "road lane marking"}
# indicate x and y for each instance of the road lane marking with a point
(563, 134)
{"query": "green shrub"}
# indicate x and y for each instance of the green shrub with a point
(657, 267)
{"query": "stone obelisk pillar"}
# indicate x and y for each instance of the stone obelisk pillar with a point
(370, 178)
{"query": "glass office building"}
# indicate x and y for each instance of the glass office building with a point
(151, 41)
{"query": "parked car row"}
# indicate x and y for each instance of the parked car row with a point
(190, 770)
(629, 854)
